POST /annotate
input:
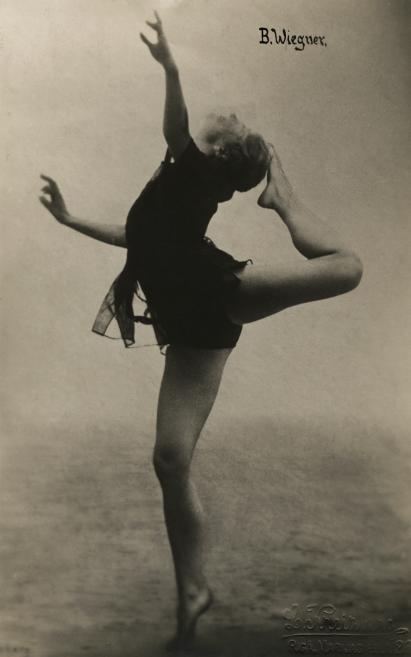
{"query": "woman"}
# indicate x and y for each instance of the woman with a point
(198, 297)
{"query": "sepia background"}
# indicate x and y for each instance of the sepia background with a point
(304, 464)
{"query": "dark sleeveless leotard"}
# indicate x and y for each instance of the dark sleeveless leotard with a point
(184, 277)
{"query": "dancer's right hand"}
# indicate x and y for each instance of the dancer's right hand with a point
(55, 204)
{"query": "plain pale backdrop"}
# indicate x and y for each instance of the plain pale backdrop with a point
(82, 102)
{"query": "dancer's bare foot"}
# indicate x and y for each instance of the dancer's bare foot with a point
(278, 192)
(188, 614)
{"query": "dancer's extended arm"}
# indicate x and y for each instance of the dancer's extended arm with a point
(175, 122)
(108, 233)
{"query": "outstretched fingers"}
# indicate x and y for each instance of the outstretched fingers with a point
(52, 187)
(54, 201)
(146, 41)
(159, 49)
(47, 204)
(157, 24)
(49, 180)
(47, 189)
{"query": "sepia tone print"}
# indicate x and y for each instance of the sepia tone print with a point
(229, 477)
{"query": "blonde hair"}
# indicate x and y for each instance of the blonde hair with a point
(245, 156)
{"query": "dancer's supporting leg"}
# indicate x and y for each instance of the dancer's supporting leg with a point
(331, 267)
(189, 387)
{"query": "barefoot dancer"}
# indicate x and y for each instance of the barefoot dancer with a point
(198, 297)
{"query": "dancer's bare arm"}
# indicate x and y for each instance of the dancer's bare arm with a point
(54, 202)
(175, 122)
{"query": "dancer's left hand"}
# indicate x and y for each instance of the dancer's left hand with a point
(160, 50)
(55, 203)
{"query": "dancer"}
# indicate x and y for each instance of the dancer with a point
(198, 297)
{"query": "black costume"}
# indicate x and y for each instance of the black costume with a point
(184, 277)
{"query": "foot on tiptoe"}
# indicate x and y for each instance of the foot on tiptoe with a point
(278, 191)
(188, 614)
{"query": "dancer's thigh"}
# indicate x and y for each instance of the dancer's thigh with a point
(188, 390)
(267, 289)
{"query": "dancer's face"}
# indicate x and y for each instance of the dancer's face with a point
(219, 131)
(212, 146)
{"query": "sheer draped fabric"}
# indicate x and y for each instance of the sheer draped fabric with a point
(179, 276)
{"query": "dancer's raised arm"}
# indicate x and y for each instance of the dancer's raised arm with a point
(175, 122)
(108, 233)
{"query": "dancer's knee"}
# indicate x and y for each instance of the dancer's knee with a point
(351, 271)
(171, 464)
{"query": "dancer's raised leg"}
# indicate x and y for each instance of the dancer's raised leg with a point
(188, 390)
(331, 266)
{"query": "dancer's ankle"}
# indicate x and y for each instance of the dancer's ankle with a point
(289, 206)
(285, 203)
(193, 590)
